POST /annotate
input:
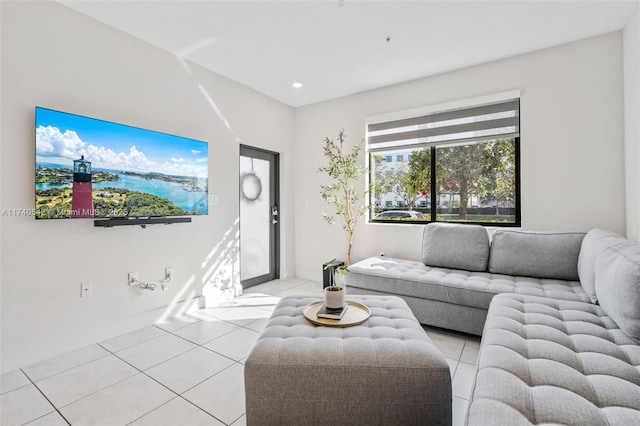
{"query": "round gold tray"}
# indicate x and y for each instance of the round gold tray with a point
(357, 313)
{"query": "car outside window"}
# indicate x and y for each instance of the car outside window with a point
(462, 165)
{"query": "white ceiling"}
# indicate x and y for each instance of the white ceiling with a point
(336, 51)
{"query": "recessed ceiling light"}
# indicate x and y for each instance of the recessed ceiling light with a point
(296, 85)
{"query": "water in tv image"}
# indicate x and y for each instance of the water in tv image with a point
(89, 168)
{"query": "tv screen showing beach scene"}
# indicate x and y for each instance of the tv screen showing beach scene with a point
(90, 168)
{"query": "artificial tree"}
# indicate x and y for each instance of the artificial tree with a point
(346, 172)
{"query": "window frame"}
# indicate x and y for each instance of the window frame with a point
(431, 215)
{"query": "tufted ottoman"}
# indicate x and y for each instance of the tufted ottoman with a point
(546, 361)
(385, 371)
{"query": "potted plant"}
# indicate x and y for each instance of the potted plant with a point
(346, 172)
(335, 293)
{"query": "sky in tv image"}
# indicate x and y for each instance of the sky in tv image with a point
(62, 137)
(135, 172)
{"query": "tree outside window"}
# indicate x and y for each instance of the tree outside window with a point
(474, 182)
(459, 164)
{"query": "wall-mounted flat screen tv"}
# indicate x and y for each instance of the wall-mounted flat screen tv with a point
(89, 168)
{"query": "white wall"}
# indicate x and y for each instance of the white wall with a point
(56, 58)
(571, 145)
(632, 124)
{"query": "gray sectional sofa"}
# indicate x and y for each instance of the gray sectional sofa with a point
(559, 315)
(461, 271)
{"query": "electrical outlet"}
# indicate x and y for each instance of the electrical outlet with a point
(168, 273)
(133, 278)
(86, 289)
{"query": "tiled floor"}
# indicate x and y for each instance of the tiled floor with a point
(187, 371)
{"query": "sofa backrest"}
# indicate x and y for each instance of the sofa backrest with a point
(454, 246)
(612, 264)
(594, 242)
(552, 255)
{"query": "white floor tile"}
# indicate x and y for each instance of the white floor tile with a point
(300, 291)
(51, 419)
(178, 322)
(154, 351)
(177, 412)
(252, 299)
(12, 381)
(304, 288)
(242, 421)
(471, 350)
(242, 315)
(119, 404)
(222, 396)
(212, 311)
(64, 362)
(453, 364)
(189, 369)
(450, 344)
(77, 383)
(131, 339)
(235, 345)
(462, 383)
(204, 331)
(95, 387)
(459, 411)
(272, 288)
(23, 405)
(258, 325)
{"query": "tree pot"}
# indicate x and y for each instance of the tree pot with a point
(334, 297)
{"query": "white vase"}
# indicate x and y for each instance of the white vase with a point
(334, 297)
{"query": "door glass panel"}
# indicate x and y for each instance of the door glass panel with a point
(255, 217)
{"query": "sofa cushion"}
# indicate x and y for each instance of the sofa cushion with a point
(545, 361)
(617, 279)
(594, 242)
(536, 254)
(459, 287)
(454, 246)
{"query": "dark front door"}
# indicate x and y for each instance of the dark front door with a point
(259, 216)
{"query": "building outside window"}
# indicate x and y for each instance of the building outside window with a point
(462, 163)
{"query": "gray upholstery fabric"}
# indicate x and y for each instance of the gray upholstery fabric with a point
(617, 273)
(476, 289)
(466, 319)
(545, 361)
(536, 254)
(454, 246)
(385, 371)
(594, 242)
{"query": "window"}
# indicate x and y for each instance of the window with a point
(462, 163)
(389, 158)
